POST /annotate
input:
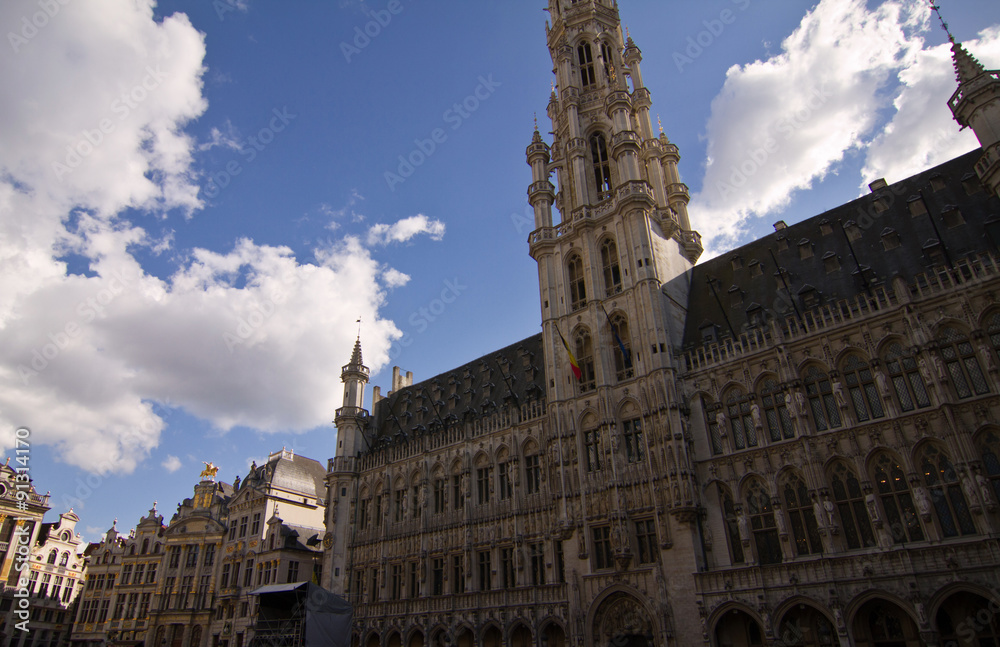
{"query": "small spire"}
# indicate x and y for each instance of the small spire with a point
(356, 355)
(967, 67)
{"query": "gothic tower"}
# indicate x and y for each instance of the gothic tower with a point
(342, 475)
(976, 104)
(613, 283)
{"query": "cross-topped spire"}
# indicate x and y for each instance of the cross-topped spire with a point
(937, 10)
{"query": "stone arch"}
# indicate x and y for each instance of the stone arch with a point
(758, 382)
(858, 612)
(440, 636)
(881, 620)
(804, 622)
(629, 408)
(465, 636)
(968, 617)
(373, 640)
(481, 459)
(844, 353)
(553, 634)
(416, 638)
(736, 625)
(492, 635)
(520, 635)
(394, 639)
(620, 612)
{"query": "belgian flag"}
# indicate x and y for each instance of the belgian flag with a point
(572, 360)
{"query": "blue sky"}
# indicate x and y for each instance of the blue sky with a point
(195, 207)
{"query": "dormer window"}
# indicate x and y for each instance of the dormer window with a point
(586, 58)
(881, 204)
(735, 296)
(852, 230)
(755, 268)
(809, 297)
(916, 206)
(952, 217)
(805, 249)
(825, 228)
(937, 183)
(831, 262)
(737, 262)
(890, 239)
(971, 183)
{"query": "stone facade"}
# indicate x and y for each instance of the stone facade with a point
(791, 444)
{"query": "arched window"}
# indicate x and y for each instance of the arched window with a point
(851, 506)
(592, 444)
(64, 560)
(609, 63)
(740, 419)
(714, 430)
(911, 393)
(602, 166)
(53, 554)
(993, 330)
(861, 385)
(577, 283)
(145, 545)
(131, 549)
(946, 492)
(779, 423)
(989, 449)
(586, 58)
(612, 272)
(765, 533)
(896, 500)
(732, 527)
(585, 358)
(821, 400)
(156, 548)
(963, 366)
(622, 349)
(798, 507)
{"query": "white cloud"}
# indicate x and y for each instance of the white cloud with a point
(171, 464)
(240, 337)
(404, 230)
(923, 133)
(393, 278)
(779, 125)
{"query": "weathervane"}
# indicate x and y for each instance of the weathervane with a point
(937, 9)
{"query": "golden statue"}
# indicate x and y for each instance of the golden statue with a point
(209, 472)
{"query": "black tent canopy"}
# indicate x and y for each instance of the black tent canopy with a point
(301, 614)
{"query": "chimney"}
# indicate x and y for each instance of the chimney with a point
(778, 226)
(877, 184)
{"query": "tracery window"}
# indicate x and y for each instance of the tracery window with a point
(993, 330)
(635, 447)
(946, 493)
(592, 448)
(897, 502)
(989, 449)
(822, 403)
(622, 348)
(762, 525)
(585, 358)
(602, 166)
(779, 423)
(732, 527)
(801, 517)
(850, 502)
(740, 419)
(577, 282)
(963, 366)
(861, 385)
(908, 385)
(586, 58)
(612, 271)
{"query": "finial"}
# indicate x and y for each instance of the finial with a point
(659, 123)
(937, 9)
(536, 118)
(359, 328)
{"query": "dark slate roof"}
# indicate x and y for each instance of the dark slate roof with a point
(839, 269)
(305, 538)
(511, 376)
(299, 474)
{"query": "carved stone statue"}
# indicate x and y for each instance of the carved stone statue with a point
(819, 513)
(755, 413)
(779, 520)
(800, 403)
(969, 487)
(989, 358)
(873, 512)
(829, 509)
(923, 503)
(925, 371)
(741, 522)
(941, 370)
(985, 491)
(720, 419)
(838, 393)
(883, 383)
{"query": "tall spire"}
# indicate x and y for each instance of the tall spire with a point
(356, 361)
(967, 68)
